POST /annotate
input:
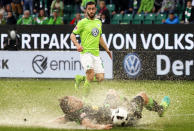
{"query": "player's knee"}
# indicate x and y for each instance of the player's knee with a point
(144, 96)
(90, 75)
(100, 78)
(91, 78)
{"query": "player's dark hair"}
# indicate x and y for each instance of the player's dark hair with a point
(91, 3)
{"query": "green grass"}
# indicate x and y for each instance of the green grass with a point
(36, 100)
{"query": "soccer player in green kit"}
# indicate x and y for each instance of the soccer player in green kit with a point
(90, 30)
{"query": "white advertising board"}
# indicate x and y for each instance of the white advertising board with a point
(46, 64)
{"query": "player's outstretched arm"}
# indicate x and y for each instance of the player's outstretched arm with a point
(103, 44)
(60, 120)
(88, 124)
(75, 42)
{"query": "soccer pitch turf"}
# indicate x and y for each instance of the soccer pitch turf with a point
(29, 104)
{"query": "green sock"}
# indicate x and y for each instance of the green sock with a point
(86, 84)
(95, 80)
(152, 105)
(82, 77)
(86, 88)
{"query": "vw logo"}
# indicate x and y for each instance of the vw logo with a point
(39, 64)
(132, 64)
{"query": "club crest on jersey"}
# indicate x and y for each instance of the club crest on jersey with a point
(95, 32)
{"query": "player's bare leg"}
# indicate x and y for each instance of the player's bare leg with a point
(145, 97)
(90, 75)
(60, 120)
(100, 77)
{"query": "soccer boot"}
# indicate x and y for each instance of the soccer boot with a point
(164, 105)
(78, 80)
(86, 84)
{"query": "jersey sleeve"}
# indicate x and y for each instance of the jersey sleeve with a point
(78, 28)
(101, 27)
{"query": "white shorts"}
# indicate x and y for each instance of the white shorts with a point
(90, 61)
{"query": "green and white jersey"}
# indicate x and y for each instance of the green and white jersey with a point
(90, 32)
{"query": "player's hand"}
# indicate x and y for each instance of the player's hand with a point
(106, 127)
(79, 48)
(110, 54)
